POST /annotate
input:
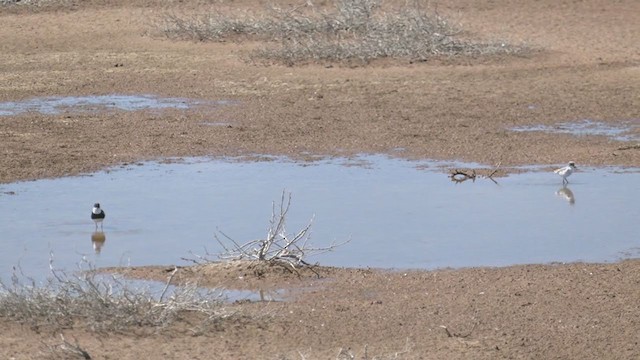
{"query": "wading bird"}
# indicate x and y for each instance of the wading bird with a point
(97, 215)
(566, 171)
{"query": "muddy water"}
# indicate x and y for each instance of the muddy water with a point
(160, 290)
(57, 104)
(621, 131)
(398, 214)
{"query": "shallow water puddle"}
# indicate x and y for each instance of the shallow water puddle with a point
(58, 104)
(398, 214)
(160, 290)
(619, 132)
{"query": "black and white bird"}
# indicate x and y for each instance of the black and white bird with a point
(97, 215)
(566, 171)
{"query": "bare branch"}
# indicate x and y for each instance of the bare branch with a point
(490, 176)
(173, 273)
(459, 176)
(279, 245)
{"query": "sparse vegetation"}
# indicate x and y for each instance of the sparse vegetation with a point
(100, 302)
(351, 31)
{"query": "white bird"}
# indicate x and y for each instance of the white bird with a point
(97, 215)
(566, 171)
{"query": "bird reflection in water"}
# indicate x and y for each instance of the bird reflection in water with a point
(98, 239)
(566, 193)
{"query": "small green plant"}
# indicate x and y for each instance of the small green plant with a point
(350, 31)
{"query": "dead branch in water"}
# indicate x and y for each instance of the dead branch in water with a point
(459, 176)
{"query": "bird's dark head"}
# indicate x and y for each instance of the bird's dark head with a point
(97, 205)
(572, 164)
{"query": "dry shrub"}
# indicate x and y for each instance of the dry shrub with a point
(351, 31)
(279, 247)
(100, 302)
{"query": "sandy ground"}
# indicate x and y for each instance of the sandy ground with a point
(587, 66)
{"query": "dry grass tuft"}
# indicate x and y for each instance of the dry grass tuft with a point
(352, 31)
(101, 302)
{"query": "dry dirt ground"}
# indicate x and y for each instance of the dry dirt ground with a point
(587, 66)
